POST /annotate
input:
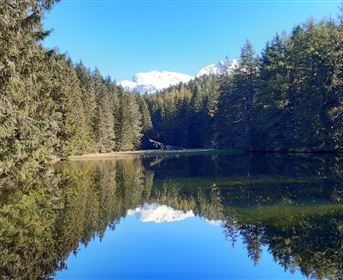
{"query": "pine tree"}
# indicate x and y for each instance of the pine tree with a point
(74, 131)
(199, 124)
(272, 100)
(146, 118)
(235, 115)
(105, 127)
(146, 121)
(88, 97)
(105, 118)
(129, 122)
(27, 129)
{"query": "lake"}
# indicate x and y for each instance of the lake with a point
(196, 216)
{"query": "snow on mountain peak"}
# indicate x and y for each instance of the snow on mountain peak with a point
(154, 81)
(157, 213)
(222, 67)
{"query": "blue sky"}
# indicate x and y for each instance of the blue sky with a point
(122, 38)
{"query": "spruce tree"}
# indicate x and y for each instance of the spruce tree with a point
(88, 96)
(235, 117)
(105, 125)
(146, 121)
(129, 122)
(74, 131)
(27, 129)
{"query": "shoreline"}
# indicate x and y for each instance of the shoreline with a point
(126, 154)
(142, 153)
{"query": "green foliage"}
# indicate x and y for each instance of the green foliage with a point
(104, 123)
(183, 115)
(74, 132)
(27, 127)
(294, 95)
(129, 122)
(146, 121)
(234, 121)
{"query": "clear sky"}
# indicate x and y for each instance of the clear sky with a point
(123, 37)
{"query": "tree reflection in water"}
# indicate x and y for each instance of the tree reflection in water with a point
(291, 205)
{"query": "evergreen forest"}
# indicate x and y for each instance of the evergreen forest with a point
(288, 98)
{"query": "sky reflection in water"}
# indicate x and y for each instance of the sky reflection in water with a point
(185, 247)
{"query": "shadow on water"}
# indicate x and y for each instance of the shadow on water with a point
(289, 204)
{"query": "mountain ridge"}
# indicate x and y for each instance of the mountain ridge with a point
(153, 81)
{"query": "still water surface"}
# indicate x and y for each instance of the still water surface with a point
(177, 217)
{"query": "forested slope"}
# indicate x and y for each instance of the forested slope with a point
(288, 98)
(52, 107)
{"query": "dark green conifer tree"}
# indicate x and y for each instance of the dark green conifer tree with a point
(74, 133)
(235, 117)
(129, 122)
(27, 129)
(105, 129)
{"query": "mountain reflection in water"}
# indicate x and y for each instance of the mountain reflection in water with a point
(159, 213)
(285, 208)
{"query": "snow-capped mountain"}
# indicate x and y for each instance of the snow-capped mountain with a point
(222, 67)
(153, 81)
(159, 213)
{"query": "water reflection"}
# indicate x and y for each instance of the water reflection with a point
(159, 213)
(287, 207)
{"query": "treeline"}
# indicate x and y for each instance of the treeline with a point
(183, 115)
(51, 107)
(289, 98)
